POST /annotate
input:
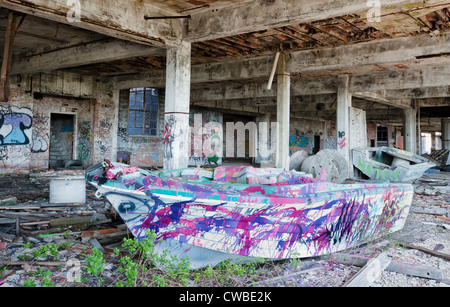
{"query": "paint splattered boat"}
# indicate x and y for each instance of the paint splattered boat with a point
(235, 212)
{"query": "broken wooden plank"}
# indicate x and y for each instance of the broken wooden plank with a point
(7, 274)
(63, 221)
(443, 218)
(7, 237)
(94, 243)
(101, 234)
(37, 263)
(428, 251)
(7, 56)
(394, 266)
(21, 207)
(370, 272)
(5, 221)
(430, 211)
(286, 277)
(34, 223)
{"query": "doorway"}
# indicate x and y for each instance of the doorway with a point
(242, 142)
(61, 139)
(382, 135)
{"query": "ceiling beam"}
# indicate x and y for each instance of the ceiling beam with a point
(262, 15)
(404, 50)
(82, 54)
(419, 93)
(380, 97)
(328, 61)
(124, 19)
(393, 80)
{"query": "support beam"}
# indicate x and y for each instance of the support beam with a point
(262, 15)
(352, 58)
(124, 19)
(428, 76)
(419, 93)
(409, 131)
(176, 120)
(283, 113)
(445, 129)
(389, 81)
(11, 32)
(344, 103)
(82, 54)
(380, 97)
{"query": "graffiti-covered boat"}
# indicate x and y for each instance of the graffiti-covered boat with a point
(390, 164)
(244, 212)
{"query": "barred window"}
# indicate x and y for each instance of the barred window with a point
(143, 111)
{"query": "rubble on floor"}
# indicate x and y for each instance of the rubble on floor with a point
(42, 243)
(440, 157)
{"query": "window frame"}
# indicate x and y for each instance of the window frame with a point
(146, 106)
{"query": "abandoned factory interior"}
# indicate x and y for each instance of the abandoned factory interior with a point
(270, 129)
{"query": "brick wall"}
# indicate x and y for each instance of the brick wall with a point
(143, 151)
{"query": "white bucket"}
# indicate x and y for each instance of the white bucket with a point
(67, 190)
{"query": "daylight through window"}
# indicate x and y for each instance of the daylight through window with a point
(143, 111)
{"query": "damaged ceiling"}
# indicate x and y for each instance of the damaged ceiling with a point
(328, 33)
(38, 36)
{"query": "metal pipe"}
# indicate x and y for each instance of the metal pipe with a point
(274, 69)
(166, 17)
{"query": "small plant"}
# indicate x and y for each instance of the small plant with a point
(44, 251)
(29, 283)
(46, 277)
(146, 267)
(94, 263)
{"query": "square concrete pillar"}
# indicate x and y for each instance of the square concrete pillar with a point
(283, 113)
(176, 118)
(344, 103)
(409, 129)
(445, 129)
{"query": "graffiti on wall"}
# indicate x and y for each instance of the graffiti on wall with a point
(84, 141)
(206, 138)
(169, 136)
(297, 143)
(3, 155)
(15, 125)
(40, 133)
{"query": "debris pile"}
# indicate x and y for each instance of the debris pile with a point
(440, 157)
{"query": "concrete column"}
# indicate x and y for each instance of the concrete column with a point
(283, 113)
(115, 126)
(409, 130)
(344, 103)
(176, 119)
(445, 124)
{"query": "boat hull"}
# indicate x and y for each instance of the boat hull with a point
(390, 164)
(209, 222)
